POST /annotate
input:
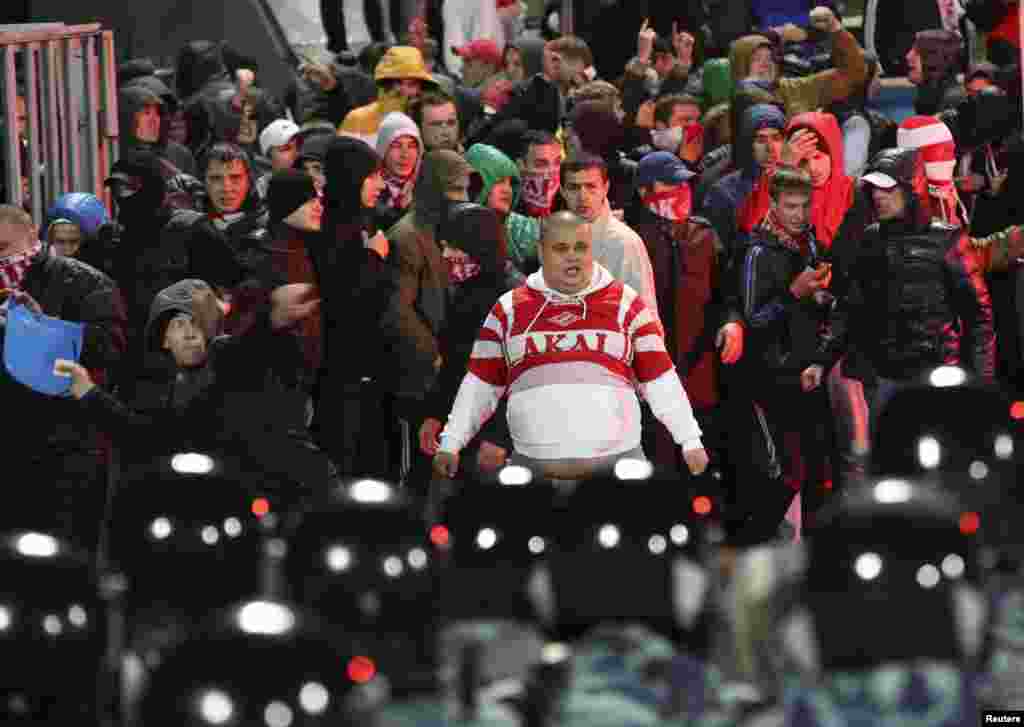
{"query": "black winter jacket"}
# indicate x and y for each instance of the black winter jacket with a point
(914, 292)
(146, 262)
(783, 331)
(71, 290)
(246, 403)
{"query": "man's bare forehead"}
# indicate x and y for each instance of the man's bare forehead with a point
(559, 228)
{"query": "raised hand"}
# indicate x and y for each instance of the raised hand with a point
(645, 41)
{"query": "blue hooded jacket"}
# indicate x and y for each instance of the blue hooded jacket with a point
(725, 198)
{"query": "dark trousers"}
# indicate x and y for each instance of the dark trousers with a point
(354, 424)
(333, 19)
(788, 434)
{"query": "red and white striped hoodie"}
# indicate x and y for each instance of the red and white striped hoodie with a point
(570, 365)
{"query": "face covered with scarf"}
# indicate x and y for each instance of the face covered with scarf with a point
(682, 135)
(664, 184)
(669, 201)
(540, 175)
(475, 243)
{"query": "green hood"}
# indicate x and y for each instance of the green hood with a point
(717, 82)
(493, 165)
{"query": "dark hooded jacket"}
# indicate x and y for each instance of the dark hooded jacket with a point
(726, 197)
(985, 118)
(201, 78)
(357, 288)
(351, 277)
(206, 89)
(245, 400)
(478, 232)
(71, 290)
(418, 313)
(177, 165)
(157, 246)
(132, 99)
(246, 236)
(914, 290)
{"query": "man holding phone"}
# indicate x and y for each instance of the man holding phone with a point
(785, 304)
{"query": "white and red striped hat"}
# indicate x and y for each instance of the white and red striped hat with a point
(935, 142)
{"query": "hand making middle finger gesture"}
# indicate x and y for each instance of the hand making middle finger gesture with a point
(645, 41)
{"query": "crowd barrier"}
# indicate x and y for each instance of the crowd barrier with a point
(68, 78)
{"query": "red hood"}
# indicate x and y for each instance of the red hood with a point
(830, 202)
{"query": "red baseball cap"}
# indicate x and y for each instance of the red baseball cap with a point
(482, 49)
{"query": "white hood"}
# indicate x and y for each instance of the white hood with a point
(600, 280)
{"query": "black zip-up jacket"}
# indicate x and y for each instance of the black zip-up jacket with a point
(783, 331)
(914, 291)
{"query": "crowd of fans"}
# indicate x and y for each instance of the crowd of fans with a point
(435, 264)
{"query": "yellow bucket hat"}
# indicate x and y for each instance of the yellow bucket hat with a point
(403, 62)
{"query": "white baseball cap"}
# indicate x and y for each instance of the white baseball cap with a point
(277, 133)
(880, 179)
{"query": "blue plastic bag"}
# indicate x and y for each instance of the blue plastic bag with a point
(33, 343)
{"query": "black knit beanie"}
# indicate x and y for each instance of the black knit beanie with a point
(288, 190)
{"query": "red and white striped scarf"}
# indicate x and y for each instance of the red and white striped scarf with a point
(14, 267)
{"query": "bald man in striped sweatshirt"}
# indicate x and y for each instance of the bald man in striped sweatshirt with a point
(569, 349)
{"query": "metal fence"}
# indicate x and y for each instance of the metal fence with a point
(63, 80)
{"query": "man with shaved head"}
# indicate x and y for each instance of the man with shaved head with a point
(569, 348)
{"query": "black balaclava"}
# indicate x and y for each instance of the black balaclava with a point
(142, 206)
